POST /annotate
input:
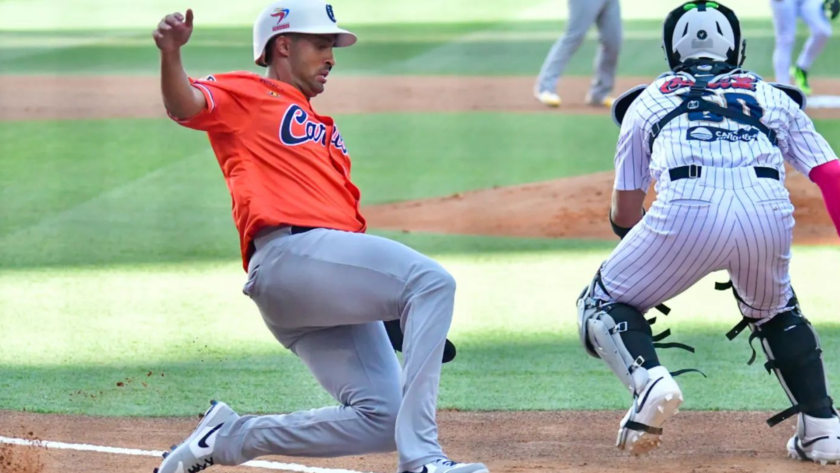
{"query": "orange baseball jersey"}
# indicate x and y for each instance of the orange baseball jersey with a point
(283, 163)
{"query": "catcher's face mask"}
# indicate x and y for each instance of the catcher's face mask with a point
(703, 29)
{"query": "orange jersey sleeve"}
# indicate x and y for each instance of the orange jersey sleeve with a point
(283, 163)
(226, 111)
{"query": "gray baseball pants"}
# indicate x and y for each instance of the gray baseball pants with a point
(606, 14)
(323, 294)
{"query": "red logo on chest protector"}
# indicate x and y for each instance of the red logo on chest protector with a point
(742, 83)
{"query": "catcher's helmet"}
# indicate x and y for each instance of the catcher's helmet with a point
(703, 30)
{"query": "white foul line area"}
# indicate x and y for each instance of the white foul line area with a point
(266, 465)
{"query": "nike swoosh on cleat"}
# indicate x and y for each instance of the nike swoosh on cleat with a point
(812, 441)
(203, 442)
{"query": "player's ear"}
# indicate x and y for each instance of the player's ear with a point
(282, 45)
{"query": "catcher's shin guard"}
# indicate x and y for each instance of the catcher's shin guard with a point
(793, 352)
(619, 335)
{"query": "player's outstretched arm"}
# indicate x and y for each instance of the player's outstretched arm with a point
(181, 99)
(809, 152)
(827, 177)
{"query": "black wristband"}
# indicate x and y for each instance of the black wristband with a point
(621, 231)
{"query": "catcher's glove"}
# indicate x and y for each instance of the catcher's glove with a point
(832, 8)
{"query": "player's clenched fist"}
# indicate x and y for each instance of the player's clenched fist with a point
(173, 31)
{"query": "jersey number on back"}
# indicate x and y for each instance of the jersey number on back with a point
(735, 101)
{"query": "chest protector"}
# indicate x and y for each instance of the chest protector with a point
(693, 102)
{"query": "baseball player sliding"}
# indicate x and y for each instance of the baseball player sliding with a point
(323, 287)
(715, 137)
(786, 13)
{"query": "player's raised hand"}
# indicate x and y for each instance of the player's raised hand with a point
(173, 31)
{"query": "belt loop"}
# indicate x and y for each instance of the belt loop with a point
(693, 171)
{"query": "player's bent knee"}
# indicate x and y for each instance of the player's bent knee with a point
(431, 275)
(822, 32)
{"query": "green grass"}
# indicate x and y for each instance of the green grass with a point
(500, 48)
(98, 192)
(118, 258)
(106, 14)
(515, 328)
(134, 191)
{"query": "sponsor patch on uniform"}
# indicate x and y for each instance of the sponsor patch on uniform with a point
(710, 133)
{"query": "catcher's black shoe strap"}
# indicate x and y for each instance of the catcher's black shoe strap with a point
(801, 407)
(802, 454)
(642, 428)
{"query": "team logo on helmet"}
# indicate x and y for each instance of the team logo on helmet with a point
(331, 13)
(281, 14)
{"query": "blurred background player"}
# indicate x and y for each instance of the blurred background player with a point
(786, 14)
(606, 15)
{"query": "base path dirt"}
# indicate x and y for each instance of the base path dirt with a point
(574, 207)
(80, 97)
(508, 442)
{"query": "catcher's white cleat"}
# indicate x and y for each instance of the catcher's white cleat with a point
(816, 440)
(660, 400)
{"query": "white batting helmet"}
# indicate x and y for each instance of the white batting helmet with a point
(703, 29)
(296, 16)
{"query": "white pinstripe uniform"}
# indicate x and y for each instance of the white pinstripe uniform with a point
(727, 219)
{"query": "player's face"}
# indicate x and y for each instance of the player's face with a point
(311, 61)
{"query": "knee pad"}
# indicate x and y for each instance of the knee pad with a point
(793, 352)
